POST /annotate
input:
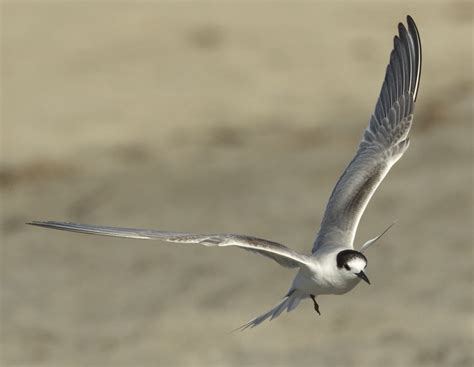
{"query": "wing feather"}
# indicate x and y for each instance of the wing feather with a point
(383, 142)
(281, 254)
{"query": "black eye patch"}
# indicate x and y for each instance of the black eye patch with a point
(347, 267)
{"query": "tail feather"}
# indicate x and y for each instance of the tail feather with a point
(289, 302)
(277, 311)
(293, 303)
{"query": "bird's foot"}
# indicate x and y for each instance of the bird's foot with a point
(316, 306)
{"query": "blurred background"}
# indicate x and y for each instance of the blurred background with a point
(226, 117)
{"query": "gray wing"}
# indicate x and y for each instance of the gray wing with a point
(275, 251)
(383, 143)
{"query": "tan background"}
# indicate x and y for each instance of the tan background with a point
(226, 117)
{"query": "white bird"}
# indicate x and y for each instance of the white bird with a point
(334, 267)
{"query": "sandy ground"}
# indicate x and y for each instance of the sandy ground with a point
(231, 117)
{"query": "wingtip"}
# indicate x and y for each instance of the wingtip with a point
(410, 24)
(34, 223)
(39, 223)
(413, 29)
(401, 28)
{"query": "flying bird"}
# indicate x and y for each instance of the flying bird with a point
(334, 266)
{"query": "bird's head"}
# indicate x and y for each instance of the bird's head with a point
(351, 264)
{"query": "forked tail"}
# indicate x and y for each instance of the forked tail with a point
(288, 303)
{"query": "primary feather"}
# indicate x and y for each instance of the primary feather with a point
(273, 250)
(383, 142)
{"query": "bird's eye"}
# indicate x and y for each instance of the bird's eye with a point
(347, 267)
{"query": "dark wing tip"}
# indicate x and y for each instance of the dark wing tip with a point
(53, 224)
(395, 40)
(44, 222)
(47, 224)
(401, 28)
(36, 223)
(413, 31)
(404, 69)
(410, 21)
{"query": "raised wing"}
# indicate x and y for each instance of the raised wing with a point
(383, 143)
(275, 251)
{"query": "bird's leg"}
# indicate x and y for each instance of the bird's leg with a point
(316, 306)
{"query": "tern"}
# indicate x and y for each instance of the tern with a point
(334, 266)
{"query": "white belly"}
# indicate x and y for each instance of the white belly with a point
(317, 285)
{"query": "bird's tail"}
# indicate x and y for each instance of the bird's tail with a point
(288, 303)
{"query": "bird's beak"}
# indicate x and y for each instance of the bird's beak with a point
(362, 276)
